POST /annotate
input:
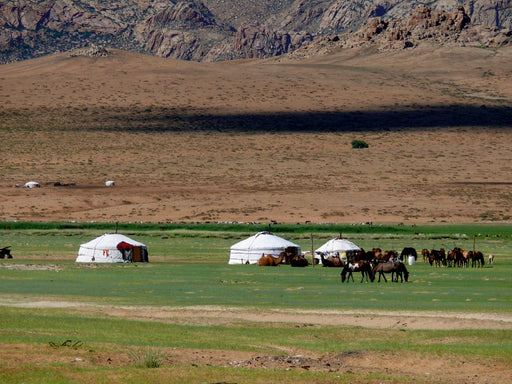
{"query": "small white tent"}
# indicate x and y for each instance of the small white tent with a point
(338, 245)
(112, 248)
(249, 251)
(32, 184)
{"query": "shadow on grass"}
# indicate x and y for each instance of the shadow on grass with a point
(176, 119)
(408, 119)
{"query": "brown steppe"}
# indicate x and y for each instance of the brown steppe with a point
(256, 141)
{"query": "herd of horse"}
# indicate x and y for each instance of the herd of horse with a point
(457, 257)
(370, 264)
(376, 262)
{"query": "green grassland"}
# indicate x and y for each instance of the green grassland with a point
(188, 267)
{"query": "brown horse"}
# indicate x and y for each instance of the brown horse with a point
(477, 259)
(425, 253)
(359, 266)
(393, 267)
(437, 257)
(456, 258)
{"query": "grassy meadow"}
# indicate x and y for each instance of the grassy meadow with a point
(188, 268)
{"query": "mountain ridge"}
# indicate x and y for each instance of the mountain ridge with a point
(215, 30)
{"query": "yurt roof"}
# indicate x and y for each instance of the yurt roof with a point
(110, 240)
(263, 240)
(338, 245)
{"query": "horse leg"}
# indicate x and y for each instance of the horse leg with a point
(350, 275)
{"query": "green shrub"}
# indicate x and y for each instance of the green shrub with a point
(359, 144)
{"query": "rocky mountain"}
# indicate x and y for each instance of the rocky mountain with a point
(216, 30)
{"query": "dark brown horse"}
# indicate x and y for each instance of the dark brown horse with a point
(437, 257)
(393, 267)
(408, 251)
(456, 258)
(358, 266)
(5, 252)
(477, 259)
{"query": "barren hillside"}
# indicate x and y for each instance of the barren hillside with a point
(259, 140)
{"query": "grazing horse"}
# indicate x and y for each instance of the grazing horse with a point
(5, 251)
(425, 253)
(453, 257)
(456, 258)
(393, 267)
(408, 251)
(359, 266)
(477, 259)
(437, 257)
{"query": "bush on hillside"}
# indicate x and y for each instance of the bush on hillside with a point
(359, 144)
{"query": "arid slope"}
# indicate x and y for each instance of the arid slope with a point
(260, 140)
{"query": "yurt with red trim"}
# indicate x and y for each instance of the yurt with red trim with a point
(112, 248)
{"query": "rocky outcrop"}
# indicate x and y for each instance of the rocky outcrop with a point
(185, 30)
(437, 26)
(92, 51)
(30, 28)
(258, 42)
(212, 30)
(424, 25)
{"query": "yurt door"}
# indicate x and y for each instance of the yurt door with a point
(137, 254)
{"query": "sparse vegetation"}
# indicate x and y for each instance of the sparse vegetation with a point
(359, 144)
(147, 357)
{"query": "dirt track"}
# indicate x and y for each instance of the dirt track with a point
(413, 366)
(224, 315)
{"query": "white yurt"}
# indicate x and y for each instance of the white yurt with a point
(338, 245)
(112, 248)
(32, 184)
(249, 251)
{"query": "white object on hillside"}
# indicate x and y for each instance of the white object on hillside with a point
(32, 184)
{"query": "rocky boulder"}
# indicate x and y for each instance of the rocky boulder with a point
(258, 42)
(437, 26)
